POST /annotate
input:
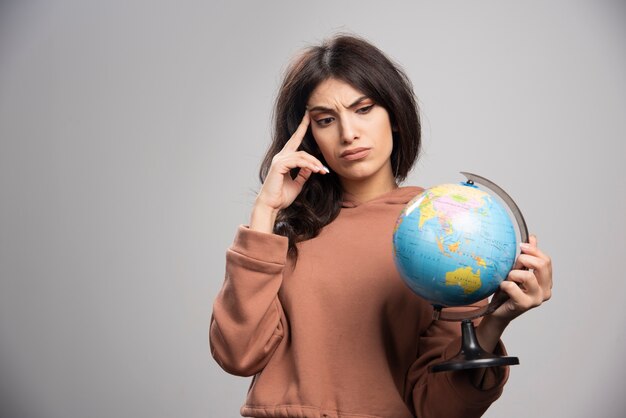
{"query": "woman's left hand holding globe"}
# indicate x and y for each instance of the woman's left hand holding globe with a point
(528, 285)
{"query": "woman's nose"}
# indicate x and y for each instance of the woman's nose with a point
(348, 131)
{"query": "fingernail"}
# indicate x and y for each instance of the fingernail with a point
(325, 169)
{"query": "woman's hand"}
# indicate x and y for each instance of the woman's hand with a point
(279, 190)
(527, 288)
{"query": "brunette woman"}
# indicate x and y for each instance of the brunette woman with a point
(312, 305)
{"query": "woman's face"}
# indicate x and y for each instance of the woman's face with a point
(353, 133)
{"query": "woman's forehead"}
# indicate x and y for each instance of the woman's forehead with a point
(333, 92)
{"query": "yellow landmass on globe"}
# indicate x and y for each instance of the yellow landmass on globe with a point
(427, 211)
(464, 277)
(454, 247)
(480, 261)
(441, 247)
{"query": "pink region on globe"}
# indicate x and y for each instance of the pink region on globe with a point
(450, 207)
(447, 208)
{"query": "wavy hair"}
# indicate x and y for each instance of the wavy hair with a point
(366, 68)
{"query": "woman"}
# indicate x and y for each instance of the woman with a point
(312, 304)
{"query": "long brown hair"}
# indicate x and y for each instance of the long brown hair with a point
(366, 68)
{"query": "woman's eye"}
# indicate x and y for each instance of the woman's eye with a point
(365, 109)
(324, 121)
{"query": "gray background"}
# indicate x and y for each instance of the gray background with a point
(130, 138)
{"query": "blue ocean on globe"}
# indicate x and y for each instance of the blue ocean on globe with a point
(454, 244)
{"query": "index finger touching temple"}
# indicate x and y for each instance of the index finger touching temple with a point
(296, 139)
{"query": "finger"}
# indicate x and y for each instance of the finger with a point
(532, 240)
(526, 280)
(303, 176)
(296, 139)
(311, 159)
(541, 269)
(517, 265)
(300, 159)
(303, 159)
(534, 262)
(519, 302)
(512, 290)
(529, 284)
(529, 248)
(525, 294)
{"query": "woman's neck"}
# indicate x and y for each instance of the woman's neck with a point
(363, 190)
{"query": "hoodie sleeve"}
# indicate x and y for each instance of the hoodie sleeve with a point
(451, 394)
(248, 321)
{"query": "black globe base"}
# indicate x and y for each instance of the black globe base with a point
(471, 356)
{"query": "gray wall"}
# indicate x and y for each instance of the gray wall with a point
(130, 136)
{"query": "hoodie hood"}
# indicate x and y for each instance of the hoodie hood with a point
(397, 196)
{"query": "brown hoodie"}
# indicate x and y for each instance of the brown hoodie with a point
(338, 334)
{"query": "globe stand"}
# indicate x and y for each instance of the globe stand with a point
(472, 355)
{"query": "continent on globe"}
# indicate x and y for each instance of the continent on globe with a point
(464, 277)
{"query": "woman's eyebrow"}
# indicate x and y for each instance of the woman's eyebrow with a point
(326, 109)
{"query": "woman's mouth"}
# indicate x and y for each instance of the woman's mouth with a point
(355, 154)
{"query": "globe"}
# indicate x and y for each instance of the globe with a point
(453, 244)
